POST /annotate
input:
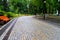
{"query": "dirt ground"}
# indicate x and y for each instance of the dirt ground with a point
(52, 19)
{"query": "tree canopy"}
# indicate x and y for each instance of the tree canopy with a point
(35, 6)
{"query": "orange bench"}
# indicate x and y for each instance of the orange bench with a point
(4, 19)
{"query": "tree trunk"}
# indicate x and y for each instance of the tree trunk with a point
(58, 12)
(44, 16)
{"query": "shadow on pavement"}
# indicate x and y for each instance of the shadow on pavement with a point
(50, 20)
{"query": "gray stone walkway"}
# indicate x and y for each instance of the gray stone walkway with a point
(28, 28)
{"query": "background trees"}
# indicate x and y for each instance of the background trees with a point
(30, 6)
(58, 7)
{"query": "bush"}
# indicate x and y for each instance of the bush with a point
(8, 14)
(1, 13)
(11, 14)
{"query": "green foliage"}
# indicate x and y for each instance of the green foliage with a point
(34, 6)
(52, 6)
(11, 14)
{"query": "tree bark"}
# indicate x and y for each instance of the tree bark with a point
(58, 12)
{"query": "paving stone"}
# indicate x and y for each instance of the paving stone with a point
(28, 28)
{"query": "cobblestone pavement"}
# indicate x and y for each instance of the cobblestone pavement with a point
(29, 28)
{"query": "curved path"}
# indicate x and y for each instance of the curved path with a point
(29, 28)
